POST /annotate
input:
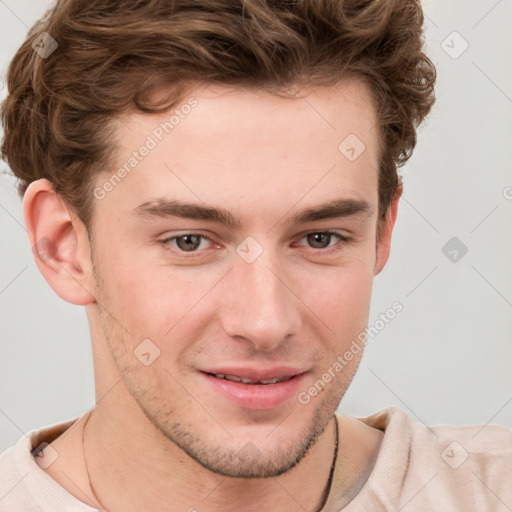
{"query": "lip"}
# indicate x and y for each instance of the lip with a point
(256, 396)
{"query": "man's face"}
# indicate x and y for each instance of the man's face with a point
(260, 298)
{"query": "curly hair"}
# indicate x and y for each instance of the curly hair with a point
(113, 55)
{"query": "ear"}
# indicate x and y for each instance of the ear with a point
(386, 229)
(59, 242)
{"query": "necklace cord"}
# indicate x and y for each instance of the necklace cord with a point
(327, 490)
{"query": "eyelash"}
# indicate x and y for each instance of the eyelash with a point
(197, 253)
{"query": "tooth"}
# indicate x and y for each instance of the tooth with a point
(233, 378)
(219, 375)
(269, 381)
(247, 381)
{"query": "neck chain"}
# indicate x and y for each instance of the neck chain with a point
(325, 494)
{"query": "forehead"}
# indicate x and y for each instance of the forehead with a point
(221, 144)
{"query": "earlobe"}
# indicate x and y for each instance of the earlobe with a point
(384, 243)
(59, 242)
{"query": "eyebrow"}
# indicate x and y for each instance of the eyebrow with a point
(163, 208)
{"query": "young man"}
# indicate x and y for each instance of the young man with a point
(216, 182)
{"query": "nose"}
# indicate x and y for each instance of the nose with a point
(261, 306)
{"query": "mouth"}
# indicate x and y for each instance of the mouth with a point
(255, 389)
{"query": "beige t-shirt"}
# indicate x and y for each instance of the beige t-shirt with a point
(419, 468)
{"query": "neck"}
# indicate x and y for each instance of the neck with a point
(124, 450)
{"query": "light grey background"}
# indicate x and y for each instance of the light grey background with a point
(446, 358)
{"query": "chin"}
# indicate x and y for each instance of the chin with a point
(251, 451)
(249, 461)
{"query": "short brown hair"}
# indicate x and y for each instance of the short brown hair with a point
(112, 56)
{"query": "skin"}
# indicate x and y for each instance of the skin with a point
(161, 432)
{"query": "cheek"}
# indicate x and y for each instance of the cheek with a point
(340, 296)
(150, 304)
(158, 302)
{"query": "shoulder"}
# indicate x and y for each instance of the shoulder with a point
(16, 474)
(448, 467)
(24, 485)
(454, 445)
